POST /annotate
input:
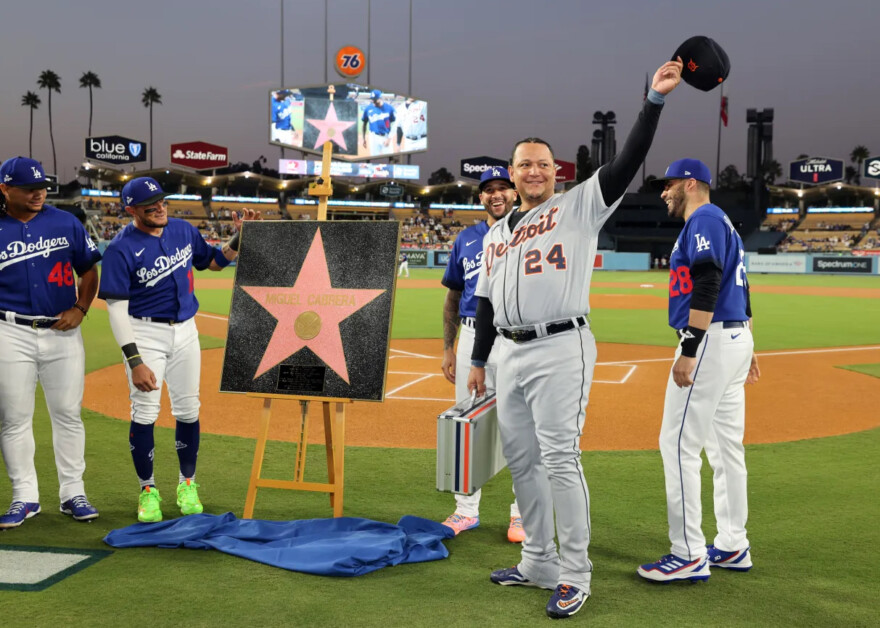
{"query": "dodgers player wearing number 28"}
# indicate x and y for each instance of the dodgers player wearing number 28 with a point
(705, 399)
(147, 281)
(534, 287)
(41, 309)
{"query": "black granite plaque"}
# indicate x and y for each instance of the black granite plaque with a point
(312, 294)
(300, 380)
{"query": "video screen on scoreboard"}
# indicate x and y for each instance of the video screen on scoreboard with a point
(361, 121)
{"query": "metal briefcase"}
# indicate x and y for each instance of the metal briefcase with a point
(468, 445)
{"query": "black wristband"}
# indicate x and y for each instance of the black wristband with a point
(690, 341)
(81, 308)
(234, 241)
(132, 355)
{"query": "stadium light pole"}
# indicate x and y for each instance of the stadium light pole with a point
(369, 50)
(409, 82)
(281, 3)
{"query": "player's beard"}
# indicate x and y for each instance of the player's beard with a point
(676, 202)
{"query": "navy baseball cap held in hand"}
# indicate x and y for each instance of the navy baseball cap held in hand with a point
(685, 169)
(22, 172)
(142, 191)
(706, 65)
(495, 173)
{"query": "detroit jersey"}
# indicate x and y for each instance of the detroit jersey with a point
(379, 118)
(541, 271)
(463, 268)
(708, 235)
(155, 274)
(38, 259)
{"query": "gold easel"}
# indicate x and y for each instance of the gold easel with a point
(334, 418)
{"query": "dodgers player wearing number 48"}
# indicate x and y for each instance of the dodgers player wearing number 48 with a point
(497, 195)
(41, 309)
(534, 287)
(147, 281)
(709, 306)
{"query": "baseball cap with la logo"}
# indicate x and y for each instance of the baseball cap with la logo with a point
(494, 173)
(142, 191)
(22, 172)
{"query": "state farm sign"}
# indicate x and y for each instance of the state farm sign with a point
(565, 171)
(199, 155)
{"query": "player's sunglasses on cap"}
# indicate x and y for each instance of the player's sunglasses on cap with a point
(495, 173)
(141, 192)
(22, 172)
(684, 169)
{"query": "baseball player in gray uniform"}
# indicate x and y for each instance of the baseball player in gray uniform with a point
(41, 308)
(147, 281)
(534, 288)
(705, 406)
(497, 196)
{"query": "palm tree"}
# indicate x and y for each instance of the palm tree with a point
(33, 101)
(857, 156)
(90, 80)
(772, 171)
(150, 97)
(51, 82)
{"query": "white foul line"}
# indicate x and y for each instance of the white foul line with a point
(762, 354)
(407, 385)
(414, 355)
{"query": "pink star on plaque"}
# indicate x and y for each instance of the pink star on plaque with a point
(309, 313)
(331, 128)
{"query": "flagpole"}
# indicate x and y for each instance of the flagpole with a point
(718, 151)
(646, 157)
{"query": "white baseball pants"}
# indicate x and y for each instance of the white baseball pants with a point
(173, 354)
(543, 388)
(57, 360)
(469, 505)
(708, 415)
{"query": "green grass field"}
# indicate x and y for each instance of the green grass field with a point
(813, 511)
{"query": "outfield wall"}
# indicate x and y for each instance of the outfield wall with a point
(812, 263)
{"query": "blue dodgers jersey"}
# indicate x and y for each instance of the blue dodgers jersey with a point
(281, 115)
(463, 267)
(38, 259)
(155, 274)
(708, 235)
(380, 118)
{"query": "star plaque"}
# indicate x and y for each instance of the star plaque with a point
(311, 309)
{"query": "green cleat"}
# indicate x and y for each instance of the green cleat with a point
(188, 498)
(149, 510)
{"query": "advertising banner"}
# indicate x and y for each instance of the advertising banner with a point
(199, 155)
(872, 168)
(115, 149)
(842, 264)
(785, 263)
(345, 169)
(441, 258)
(474, 167)
(816, 170)
(565, 171)
(416, 258)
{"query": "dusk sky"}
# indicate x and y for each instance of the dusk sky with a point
(492, 72)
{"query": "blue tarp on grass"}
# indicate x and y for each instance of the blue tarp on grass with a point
(346, 546)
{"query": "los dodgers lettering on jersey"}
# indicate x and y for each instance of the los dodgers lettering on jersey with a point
(541, 271)
(379, 118)
(38, 259)
(463, 268)
(155, 274)
(708, 235)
